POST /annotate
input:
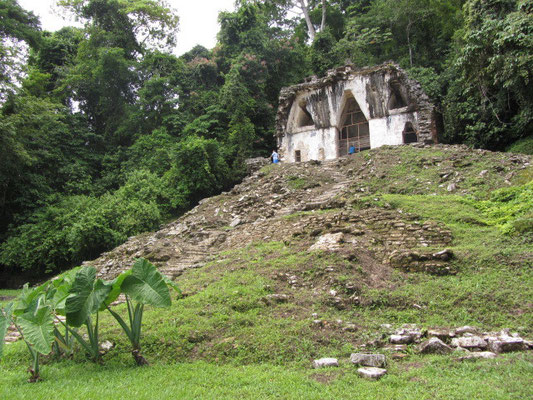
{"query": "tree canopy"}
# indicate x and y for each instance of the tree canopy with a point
(105, 133)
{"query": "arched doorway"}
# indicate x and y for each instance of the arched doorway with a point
(409, 133)
(304, 118)
(354, 131)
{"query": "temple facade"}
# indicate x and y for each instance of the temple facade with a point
(351, 110)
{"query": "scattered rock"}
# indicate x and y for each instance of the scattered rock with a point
(275, 299)
(328, 241)
(444, 255)
(478, 354)
(325, 362)
(396, 347)
(350, 328)
(506, 344)
(369, 360)
(235, 222)
(466, 329)
(371, 373)
(434, 346)
(443, 334)
(470, 342)
(407, 334)
(401, 339)
(459, 349)
(452, 187)
(399, 356)
(106, 346)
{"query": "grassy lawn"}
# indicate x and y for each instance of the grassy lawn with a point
(7, 294)
(224, 339)
(434, 377)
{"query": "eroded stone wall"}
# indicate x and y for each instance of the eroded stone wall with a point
(387, 97)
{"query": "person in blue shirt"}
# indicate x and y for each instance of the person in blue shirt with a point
(274, 157)
(351, 150)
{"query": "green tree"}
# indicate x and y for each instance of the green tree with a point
(103, 79)
(17, 26)
(490, 102)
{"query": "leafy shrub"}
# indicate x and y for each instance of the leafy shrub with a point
(198, 170)
(524, 146)
(511, 208)
(78, 228)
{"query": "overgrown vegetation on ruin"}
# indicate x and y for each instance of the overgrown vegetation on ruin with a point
(85, 166)
(229, 330)
(105, 134)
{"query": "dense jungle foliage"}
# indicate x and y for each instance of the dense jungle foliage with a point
(104, 133)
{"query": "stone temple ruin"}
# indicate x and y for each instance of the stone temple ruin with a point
(321, 119)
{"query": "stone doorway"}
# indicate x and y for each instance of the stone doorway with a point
(409, 133)
(354, 129)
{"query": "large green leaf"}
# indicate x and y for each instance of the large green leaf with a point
(38, 328)
(146, 285)
(62, 285)
(5, 321)
(116, 285)
(86, 296)
(28, 298)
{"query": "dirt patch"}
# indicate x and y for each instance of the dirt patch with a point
(326, 378)
(409, 366)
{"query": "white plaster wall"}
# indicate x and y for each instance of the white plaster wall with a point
(309, 143)
(357, 88)
(389, 130)
(383, 131)
(292, 125)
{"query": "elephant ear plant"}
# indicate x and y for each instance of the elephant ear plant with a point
(32, 316)
(86, 297)
(79, 296)
(142, 285)
(58, 291)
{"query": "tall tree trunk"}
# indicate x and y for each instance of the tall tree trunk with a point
(323, 23)
(409, 42)
(310, 27)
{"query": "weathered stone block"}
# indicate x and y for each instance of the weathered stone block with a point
(478, 355)
(470, 342)
(325, 362)
(329, 241)
(369, 360)
(443, 334)
(434, 346)
(506, 344)
(401, 339)
(371, 373)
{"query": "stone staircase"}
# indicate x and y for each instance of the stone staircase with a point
(193, 256)
(339, 186)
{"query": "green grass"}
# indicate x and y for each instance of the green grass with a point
(434, 377)
(7, 294)
(524, 146)
(224, 340)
